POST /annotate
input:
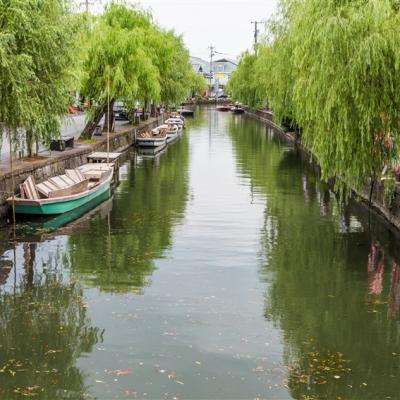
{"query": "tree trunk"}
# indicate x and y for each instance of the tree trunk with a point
(29, 262)
(153, 110)
(371, 192)
(29, 141)
(109, 119)
(145, 107)
(91, 125)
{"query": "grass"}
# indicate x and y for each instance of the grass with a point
(88, 141)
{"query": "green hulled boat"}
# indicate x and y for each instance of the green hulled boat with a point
(68, 202)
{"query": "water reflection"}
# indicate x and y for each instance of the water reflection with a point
(44, 329)
(394, 302)
(150, 200)
(333, 288)
(253, 283)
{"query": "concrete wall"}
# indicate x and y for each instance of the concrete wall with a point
(44, 169)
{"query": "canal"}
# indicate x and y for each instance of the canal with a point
(223, 269)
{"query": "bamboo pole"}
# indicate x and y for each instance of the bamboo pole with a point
(108, 115)
(12, 184)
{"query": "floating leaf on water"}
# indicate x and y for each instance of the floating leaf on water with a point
(121, 372)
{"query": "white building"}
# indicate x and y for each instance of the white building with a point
(219, 73)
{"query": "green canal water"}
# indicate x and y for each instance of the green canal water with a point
(223, 269)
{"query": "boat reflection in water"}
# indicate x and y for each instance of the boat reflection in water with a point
(41, 225)
(151, 152)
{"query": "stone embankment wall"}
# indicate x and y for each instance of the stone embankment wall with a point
(390, 213)
(69, 159)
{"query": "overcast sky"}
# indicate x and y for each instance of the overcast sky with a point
(225, 24)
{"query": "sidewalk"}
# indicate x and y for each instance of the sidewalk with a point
(72, 126)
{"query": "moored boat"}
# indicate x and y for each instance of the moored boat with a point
(63, 193)
(175, 114)
(175, 121)
(172, 131)
(237, 110)
(152, 139)
(186, 112)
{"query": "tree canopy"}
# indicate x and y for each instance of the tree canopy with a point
(47, 52)
(332, 68)
(36, 55)
(144, 62)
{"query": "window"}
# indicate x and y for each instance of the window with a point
(220, 67)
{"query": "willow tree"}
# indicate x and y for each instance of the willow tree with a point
(177, 78)
(274, 70)
(171, 58)
(117, 64)
(345, 58)
(242, 85)
(36, 54)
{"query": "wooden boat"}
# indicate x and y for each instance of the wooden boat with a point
(223, 108)
(237, 110)
(152, 139)
(175, 121)
(49, 223)
(175, 114)
(186, 112)
(63, 193)
(172, 131)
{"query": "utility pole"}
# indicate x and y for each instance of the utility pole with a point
(87, 3)
(212, 53)
(256, 32)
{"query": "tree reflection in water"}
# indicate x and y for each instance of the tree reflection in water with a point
(117, 254)
(319, 263)
(44, 329)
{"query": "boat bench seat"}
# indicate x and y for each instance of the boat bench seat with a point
(63, 185)
(61, 181)
(75, 174)
(28, 189)
(95, 171)
(48, 190)
(95, 174)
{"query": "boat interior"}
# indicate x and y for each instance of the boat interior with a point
(74, 181)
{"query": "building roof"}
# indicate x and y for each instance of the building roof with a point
(199, 64)
(226, 60)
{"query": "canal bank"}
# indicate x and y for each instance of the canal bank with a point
(56, 164)
(374, 202)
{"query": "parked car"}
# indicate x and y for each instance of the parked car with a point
(121, 113)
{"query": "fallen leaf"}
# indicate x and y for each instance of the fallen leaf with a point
(122, 372)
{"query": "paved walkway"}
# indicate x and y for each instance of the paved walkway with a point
(72, 126)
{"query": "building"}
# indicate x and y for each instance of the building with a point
(223, 69)
(199, 65)
(219, 73)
